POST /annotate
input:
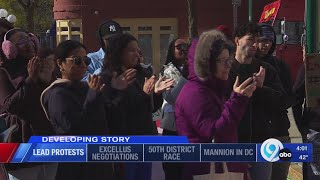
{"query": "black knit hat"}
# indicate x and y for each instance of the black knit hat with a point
(267, 32)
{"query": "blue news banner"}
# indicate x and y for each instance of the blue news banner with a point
(153, 148)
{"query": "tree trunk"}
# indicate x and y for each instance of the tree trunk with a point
(192, 19)
(30, 19)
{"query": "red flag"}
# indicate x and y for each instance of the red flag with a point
(270, 12)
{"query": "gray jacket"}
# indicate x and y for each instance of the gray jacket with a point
(168, 120)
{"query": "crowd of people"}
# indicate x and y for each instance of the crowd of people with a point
(239, 91)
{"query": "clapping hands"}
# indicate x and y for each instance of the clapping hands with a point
(94, 82)
(163, 84)
(34, 68)
(149, 84)
(121, 82)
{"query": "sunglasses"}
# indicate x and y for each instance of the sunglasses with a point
(78, 60)
(182, 46)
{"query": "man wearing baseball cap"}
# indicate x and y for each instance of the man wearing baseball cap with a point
(105, 32)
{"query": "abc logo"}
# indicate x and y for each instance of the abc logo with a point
(270, 150)
(285, 154)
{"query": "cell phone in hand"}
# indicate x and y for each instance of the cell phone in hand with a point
(245, 71)
(242, 78)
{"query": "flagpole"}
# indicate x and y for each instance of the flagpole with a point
(250, 10)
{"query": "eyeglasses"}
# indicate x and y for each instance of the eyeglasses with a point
(226, 62)
(78, 60)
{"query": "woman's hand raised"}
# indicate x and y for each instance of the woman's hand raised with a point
(246, 88)
(163, 84)
(94, 82)
(121, 82)
(34, 68)
(148, 86)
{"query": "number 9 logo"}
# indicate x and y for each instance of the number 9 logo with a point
(270, 150)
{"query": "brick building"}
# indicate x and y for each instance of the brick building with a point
(153, 22)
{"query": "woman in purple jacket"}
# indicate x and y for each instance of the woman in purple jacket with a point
(213, 117)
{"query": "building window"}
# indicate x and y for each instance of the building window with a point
(69, 30)
(145, 43)
(125, 29)
(165, 39)
(153, 35)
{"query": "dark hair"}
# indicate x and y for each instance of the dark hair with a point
(250, 28)
(116, 45)
(172, 59)
(12, 32)
(216, 48)
(170, 53)
(45, 52)
(64, 48)
(5, 24)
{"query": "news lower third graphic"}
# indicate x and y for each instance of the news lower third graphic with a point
(147, 149)
(272, 150)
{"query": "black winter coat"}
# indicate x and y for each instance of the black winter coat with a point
(130, 110)
(281, 123)
(255, 127)
(74, 109)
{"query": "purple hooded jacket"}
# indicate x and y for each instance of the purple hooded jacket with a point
(202, 114)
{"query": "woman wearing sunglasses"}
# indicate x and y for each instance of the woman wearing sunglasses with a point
(76, 108)
(175, 67)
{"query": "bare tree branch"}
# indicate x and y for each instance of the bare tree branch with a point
(35, 3)
(29, 3)
(22, 4)
(192, 19)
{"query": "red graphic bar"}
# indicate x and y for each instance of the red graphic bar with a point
(7, 151)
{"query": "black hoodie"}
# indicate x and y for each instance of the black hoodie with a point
(74, 109)
(280, 123)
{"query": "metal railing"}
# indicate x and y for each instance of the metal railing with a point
(47, 41)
